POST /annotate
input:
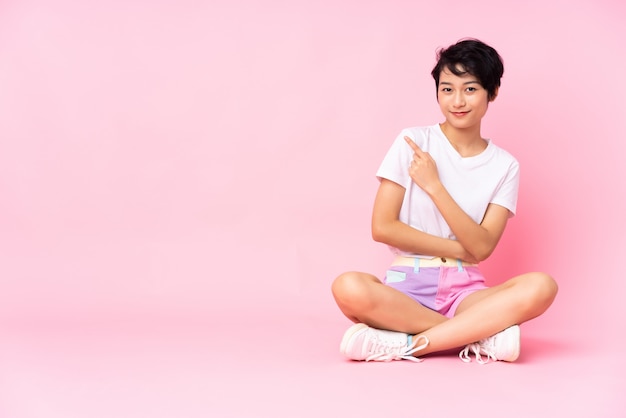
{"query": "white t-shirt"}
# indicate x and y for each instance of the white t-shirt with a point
(473, 182)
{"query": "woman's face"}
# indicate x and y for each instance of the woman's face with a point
(462, 99)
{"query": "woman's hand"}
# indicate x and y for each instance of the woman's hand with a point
(423, 169)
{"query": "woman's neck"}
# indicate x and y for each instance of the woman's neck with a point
(467, 142)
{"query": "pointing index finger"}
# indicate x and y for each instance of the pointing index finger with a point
(413, 146)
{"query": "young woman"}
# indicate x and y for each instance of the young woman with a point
(445, 196)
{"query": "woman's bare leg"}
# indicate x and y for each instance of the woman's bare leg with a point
(363, 298)
(487, 312)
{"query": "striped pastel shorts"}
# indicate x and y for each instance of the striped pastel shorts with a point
(441, 289)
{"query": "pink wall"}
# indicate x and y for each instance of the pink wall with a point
(175, 156)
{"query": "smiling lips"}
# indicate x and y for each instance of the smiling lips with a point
(459, 114)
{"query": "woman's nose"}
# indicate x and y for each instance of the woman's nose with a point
(459, 100)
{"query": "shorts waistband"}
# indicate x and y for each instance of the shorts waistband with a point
(429, 262)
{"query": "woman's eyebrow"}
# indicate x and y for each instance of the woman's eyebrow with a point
(467, 82)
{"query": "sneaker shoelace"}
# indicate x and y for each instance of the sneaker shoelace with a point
(485, 347)
(386, 350)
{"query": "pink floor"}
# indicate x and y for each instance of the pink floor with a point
(271, 364)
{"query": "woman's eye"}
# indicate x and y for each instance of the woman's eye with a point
(471, 89)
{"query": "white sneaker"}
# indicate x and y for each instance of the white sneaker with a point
(361, 342)
(503, 346)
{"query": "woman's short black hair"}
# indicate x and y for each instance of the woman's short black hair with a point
(471, 56)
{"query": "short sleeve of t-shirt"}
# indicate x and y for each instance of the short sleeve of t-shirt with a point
(395, 165)
(506, 194)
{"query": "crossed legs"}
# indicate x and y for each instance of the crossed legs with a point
(364, 298)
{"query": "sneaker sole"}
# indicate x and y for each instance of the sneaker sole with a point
(346, 342)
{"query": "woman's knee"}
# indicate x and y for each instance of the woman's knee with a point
(350, 288)
(547, 288)
(541, 288)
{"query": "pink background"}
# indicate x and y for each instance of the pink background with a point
(176, 171)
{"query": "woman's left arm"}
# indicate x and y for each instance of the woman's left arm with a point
(478, 239)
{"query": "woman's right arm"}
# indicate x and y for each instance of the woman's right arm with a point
(388, 229)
